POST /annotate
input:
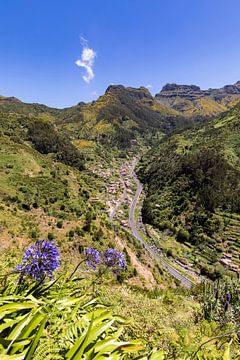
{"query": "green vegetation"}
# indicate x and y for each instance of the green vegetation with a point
(54, 186)
(57, 321)
(193, 193)
(47, 140)
(86, 314)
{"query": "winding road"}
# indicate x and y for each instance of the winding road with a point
(185, 281)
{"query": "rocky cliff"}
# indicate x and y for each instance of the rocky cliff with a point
(192, 101)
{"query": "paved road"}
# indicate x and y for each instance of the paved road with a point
(183, 279)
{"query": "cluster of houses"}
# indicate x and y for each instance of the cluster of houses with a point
(119, 190)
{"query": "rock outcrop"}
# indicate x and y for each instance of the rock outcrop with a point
(192, 101)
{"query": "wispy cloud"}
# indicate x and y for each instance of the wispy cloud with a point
(149, 86)
(87, 60)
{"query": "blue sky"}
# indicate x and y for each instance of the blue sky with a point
(131, 42)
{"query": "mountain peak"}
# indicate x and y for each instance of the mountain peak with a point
(114, 88)
(10, 98)
(180, 88)
(136, 93)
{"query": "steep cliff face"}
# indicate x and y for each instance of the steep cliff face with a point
(226, 95)
(192, 101)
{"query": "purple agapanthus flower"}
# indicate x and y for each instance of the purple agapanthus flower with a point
(92, 258)
(114, 260)
(39, 261)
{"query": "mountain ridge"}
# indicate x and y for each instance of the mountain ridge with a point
(192, 101)
(181, 90)
(123, 114)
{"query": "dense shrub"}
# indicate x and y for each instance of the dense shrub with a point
(213, 179)
(183, 235)
(46, 139)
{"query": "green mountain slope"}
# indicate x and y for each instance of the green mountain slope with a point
(117, 119)
(124, 115)
(49, 189)
(192, 182)
(120, 116)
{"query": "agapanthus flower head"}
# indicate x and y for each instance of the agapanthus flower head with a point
(39, 261)
(92, 258)
(114, 260)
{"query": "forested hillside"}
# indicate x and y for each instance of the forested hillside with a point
(192, 184)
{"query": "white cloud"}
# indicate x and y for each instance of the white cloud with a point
(87, 60)
(149, 86)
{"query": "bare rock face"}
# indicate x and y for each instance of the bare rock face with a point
(224, 92)
(185, 98)
(181, 88)
(171, 91)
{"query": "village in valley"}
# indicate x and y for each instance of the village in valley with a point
(117, 195)
(119, 190)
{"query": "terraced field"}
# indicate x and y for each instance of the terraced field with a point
(192, 185)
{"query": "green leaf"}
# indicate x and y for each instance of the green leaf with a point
(13, 307)
(77, 350)
(36, 339)
(157, 355)
(227, 354)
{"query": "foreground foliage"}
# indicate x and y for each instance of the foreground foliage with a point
(66, 318)
(54, 321)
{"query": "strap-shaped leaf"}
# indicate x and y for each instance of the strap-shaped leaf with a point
(13, 307)
(36, 339)
(77, 350)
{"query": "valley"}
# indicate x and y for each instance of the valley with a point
(120, 180)
(131, 221)
(126, 172)
(101, 173)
